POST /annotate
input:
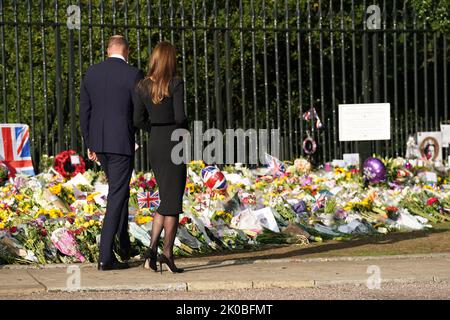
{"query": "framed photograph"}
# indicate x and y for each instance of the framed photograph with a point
(430, 145)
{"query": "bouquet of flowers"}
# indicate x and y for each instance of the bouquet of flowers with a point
(4, 174)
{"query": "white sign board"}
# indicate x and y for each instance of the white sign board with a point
(364, 122)
(430, 145)
(445, 129)
(351, 159)
(338, 163)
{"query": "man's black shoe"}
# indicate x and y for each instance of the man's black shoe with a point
(112, 266)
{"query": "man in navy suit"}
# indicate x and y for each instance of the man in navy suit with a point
(106, 118)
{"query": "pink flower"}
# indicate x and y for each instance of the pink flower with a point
(151, 183)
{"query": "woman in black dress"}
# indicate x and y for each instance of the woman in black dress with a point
(160, 107)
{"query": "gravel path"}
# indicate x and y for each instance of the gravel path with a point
(390, 291)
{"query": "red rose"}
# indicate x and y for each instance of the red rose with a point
(43, 232)
(13, 229)
(78, 231)
(151, 183)
(391, 209)
(431, 201)
(143, 185)
(184, 220)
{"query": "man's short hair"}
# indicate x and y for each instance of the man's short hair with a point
(118, 40)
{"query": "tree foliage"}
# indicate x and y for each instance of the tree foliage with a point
(312, 25)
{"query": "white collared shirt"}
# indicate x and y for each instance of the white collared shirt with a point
(116, 55)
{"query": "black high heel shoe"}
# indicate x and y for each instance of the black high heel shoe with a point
(170, 264)
(150, 260)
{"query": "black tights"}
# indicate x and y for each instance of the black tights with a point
(170, 226)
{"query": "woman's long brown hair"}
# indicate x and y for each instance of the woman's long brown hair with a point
(161, 69)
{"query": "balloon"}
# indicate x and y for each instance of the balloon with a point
(374, 170)
(213, 178)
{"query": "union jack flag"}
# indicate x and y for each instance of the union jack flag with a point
(148, 199)
(15, 149)
(321, 200)
(277, 167)
(312, 114)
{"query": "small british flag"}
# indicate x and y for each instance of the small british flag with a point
(15, 149)
(148, 199)
(312, 114)
(321, 200)
(277, 167)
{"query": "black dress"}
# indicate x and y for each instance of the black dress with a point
(161, 120)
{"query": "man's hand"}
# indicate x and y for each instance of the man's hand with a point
(92, 156)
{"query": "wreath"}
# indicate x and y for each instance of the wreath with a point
(4, 173)
(309, 146)
(63, 164)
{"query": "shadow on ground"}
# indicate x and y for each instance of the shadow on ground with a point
(413, 242)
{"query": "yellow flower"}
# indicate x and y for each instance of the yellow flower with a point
(191, 187)
(91, 223)
(91, 197)
(218, 196)
(54, 213)
(221, 213)
(143, 219)
(86, 225)
(2, 225)
(348, 206)
(19, 197)
(197, 163)
(79, 221)
(56, 189)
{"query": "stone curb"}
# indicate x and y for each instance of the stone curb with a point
(223, 285)
(247, 261)
(179, 286)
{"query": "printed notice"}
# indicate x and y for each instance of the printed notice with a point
(445, 129)
(364, 122)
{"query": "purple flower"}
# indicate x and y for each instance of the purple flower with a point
(299, 207)
(305, 180)
(340, 214)
(395, 185)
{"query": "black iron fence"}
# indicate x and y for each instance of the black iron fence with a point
(246, 64)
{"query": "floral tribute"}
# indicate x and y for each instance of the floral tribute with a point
(65, 165)
(56, 216)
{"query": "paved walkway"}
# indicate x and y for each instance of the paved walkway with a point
(202, 274)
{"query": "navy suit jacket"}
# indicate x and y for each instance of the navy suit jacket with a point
(107, 93)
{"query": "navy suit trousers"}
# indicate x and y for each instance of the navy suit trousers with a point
(118, 169)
